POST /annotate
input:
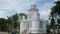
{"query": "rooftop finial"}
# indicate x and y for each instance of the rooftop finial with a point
(33, 4)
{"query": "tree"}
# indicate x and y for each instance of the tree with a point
(3, 24)
(11, 23)
(54, 10)
(52, 24)
(23, 14)
(13, 20)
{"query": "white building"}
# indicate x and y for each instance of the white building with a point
(33, 24)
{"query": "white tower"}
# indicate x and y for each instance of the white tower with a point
(34, 19)
(33, 24)
(37, 26)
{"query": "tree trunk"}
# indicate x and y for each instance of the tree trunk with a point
(54, 30)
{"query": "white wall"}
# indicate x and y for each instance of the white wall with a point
(23, 26)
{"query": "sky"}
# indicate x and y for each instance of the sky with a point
(10, 7)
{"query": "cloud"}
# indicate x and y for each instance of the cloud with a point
(57, 0)
(2, 14)
(10, 7)
(18, 5)
(44, 14)
(45, 10)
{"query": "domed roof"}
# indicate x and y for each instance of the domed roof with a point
(33, 5)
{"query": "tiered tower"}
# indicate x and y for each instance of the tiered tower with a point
(33, 24)
(34, 19)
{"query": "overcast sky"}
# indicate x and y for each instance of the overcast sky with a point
(10, 7)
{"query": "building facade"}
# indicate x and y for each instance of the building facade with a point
(33, 24)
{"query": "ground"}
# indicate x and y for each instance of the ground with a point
(3, 32)
(6, 33)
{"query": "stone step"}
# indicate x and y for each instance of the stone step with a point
(24, 32)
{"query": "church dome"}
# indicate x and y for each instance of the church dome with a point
(33, 5)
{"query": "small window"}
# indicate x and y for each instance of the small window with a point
(30, 25)
(30, 16)
(41, 25)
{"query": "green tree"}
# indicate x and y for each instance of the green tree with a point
(54, 9)
(13, 20)
(3, 24)
(23, 14)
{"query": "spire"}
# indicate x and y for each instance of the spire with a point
(33, 5)
(33, 2)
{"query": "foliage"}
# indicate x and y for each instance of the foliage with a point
(3, 24)
(23, 14)
(12, 20)
(52, 23)
(56, 8)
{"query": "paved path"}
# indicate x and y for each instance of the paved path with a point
(3, 32)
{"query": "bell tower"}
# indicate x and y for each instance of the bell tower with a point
(34, 18)
(33, 11)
